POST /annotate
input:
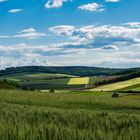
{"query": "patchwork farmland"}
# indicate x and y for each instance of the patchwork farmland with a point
(43, 81)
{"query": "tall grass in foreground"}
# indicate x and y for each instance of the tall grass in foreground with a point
(40, 116)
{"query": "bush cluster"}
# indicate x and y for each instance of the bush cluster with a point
(5, 84)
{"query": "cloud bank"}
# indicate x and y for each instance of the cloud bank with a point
(94, 45)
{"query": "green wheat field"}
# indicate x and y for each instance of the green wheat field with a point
(27, 115)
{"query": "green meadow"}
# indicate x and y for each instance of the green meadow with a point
(135, 88)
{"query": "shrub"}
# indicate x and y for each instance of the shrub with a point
(51, 91)
(5, 84)
(115, 95)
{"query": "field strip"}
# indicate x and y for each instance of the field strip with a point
(118, 85)
(49, 107)
(79, 81)
(13, 79)
(41, 75)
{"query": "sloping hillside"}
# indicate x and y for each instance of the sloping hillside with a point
(118, 85)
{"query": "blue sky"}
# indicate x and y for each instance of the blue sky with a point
(103, 33)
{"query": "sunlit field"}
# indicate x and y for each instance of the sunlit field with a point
(79, 81)
(118, 85)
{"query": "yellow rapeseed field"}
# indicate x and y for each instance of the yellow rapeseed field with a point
(79, 81)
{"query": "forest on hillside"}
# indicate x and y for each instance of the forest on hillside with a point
(70, 70)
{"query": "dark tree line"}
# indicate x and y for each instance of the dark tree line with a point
(70, 70)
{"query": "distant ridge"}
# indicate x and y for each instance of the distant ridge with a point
(71, 70)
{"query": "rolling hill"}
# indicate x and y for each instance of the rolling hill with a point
(42, 78)
(119, 86)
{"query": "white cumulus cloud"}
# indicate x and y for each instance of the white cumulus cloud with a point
(92, 7)
(29, 33)
(29, 30)
(55, 3)
(63, 29)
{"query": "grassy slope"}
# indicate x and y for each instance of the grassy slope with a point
(33, 76)
(48, 75)
(135, 87)
(71, 116)
(95, 79)
(118, 85)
